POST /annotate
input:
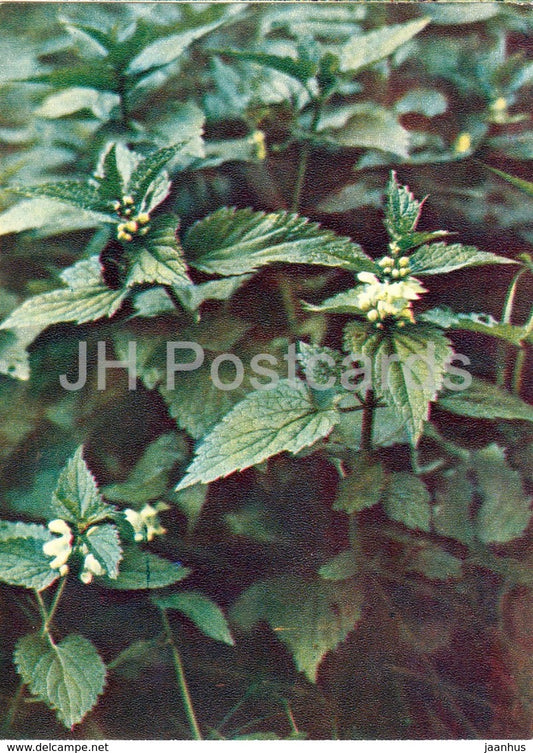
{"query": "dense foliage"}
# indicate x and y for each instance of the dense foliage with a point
(266, 448)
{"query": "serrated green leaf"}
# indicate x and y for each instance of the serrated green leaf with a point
(80, 195)
(484, 324)
(115, 166)
(340, 567)
(86, 299)
(453, 500)
(68, 676)
(301, 70)
(193, 296)
(365, 49)
(206, 615)
(149, 479)
(103, 543)
(22, 560)
(406, 500)
(76, 497)
(264, 424)
(161, 260)
(408, 370)
(96, 74)
(311, 617)
(436, 564)
(506, 509)
(48, 215)
(361, 488)
(439, 258)
(238, 241)
(402, 210)
(372, 127)
(148, 169)
(140, 569)
(487, 401)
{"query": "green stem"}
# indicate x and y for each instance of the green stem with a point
(290, 717)
(507, 314)
(367, 423)
(518, 371)
(55, 603)
(304, 156)
(182, 680)
(285, 290)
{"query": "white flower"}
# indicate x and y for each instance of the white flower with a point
(380, 300)
(91, 567)
(59, 548)
(145, 523)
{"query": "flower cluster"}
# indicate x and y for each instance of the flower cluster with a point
(130, 226)
(59, 548)
(145, 523)
(382, 299)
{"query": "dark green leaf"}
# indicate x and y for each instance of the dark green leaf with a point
(80, 195)
(484, 324)
(22, 560)
(140, 569)
(205, 614)
(487, 401)
(76, 497)
(103, 543)
(341, 567)
(406, 500)
(402, 210)
(161, 260)
(436, 564)
(361, 488)
(302, 70)
(438, 258)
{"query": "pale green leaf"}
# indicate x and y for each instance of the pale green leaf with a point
(80, 195)
(340, 567)
(361, 488)
(76, 497)
(148, 169)
(86, 299)
(453, 500)
(371, 127)
(103, 543)
(49, 216)
(193, 296)
(436, 564)
(149, 479)
(22, 560)
(406, 500)
(67, 676)
(14, 358)
(484, 324)
(76, 98)
(140, 569)
(439, 258)
(161, 260)
(409, 367)
(311, 617)
(205, 614)
(459, 13)
(264, 424)
(365, 49)
(428, 102)
(506, 508)
(487, 401)
(238, 241)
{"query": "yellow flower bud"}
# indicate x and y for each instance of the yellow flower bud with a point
(387, 270)
(143, 218)
(395, 273)
(394, 248)
(127, 200)
(403, 261)
(131, 226)
(463, 143)
(373, 315)
(116, 205)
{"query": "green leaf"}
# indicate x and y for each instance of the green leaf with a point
(238, 241)
(161, 260)
(371, 127)
(365, 49)
(310, 617)
(68, 676)
(14, 358)
(190, 502)
(406, 500)
(104, 543)
(524, 185)
(149, 479)
(402, 210)
(453, 500)
(264, 424)
(76, 497)
(76, 98)
(487, 401)
(408, 370)
(140, 569)
(428, 102)
(484, 324)
(193, 296)
(205, 614)
(361, 488)
(436, 564)
(47, 215)
(86, 299)
(438, 258)
(506, 509)
(113, 172)
(149, 168)
(22, 560)
(95, 74)
(80, 195)
(341, 567)
(301, 70)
